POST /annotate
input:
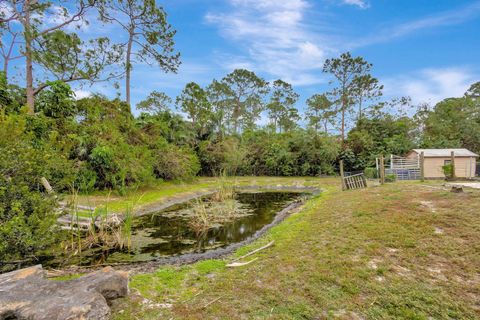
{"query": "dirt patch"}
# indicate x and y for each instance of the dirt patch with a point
(473, 185)
(429, 205)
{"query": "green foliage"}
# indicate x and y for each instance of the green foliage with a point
(353, 84)
(58, 101)
(452, 123)
(155, 103)
(319, 112)
(12, 98)
(26, 212)
(390, 178)
(381, 133)
(64, 53)
(297, 153)
(243, 96)
(148, 33)
(371, 173)
(175, 163)
(448, 170)
(281, 108)
(194, 103)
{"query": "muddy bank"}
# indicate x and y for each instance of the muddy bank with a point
(303, 189)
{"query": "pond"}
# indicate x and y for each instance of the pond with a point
(169, 233)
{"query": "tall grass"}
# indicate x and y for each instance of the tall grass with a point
(225, 188)
(106, 230)
(222, 207)
(200, 220)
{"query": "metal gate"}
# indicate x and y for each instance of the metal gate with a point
(404, 168)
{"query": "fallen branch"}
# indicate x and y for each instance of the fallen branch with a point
(255, 251)
(240, 264)
(213, 301)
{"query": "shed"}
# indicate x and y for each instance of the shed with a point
(435, 159)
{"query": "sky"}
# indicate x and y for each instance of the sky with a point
(426, 49)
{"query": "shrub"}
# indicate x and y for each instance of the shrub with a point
(447, 170)
(176, 163)
(371, 173)
(390, 178)
(26, 212)
(86, 179)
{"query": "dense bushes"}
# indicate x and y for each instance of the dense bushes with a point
(103, 146)
(118, 151)
(26, 212)
(260, 152)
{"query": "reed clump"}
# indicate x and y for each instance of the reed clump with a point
(105, 230)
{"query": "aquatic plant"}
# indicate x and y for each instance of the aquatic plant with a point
(225, 189)
(106, 230)
(208, 214)
(200, 220)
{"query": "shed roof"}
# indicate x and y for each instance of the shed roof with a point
(445, 152)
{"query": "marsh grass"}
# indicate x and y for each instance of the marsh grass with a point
(106, 230)
(209, 214)
(220, 208)
(225, 189)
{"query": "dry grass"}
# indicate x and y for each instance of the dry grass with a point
(399, 251)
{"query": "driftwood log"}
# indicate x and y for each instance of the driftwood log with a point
(27, 294)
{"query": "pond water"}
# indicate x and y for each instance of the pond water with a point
(168, 233)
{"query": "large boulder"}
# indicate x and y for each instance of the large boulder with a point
(28, 294)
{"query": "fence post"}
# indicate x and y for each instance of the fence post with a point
(453, 164)
(342, 175)
(382, 170)
(422, 166)
(46, 185)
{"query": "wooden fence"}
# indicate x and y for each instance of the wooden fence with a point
(354, 181)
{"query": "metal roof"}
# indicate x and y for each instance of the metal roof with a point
(446, 152)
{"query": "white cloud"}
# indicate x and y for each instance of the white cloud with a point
(275, 38)
(431, 85)
(446, 18)
(80, 94)
(57, 15)
(359, 3)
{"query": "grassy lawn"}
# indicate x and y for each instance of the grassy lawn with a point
(399, 251)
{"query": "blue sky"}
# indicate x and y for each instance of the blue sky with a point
(427, 49)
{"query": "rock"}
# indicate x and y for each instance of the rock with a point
(457, 189)
(28, 294)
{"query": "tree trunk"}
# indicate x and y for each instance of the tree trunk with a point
(128, 66)
(343, 120)
(5, 68)
(28, 59)
(360, 109)
(236, 115)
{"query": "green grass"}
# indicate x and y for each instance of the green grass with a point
(370, 254)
